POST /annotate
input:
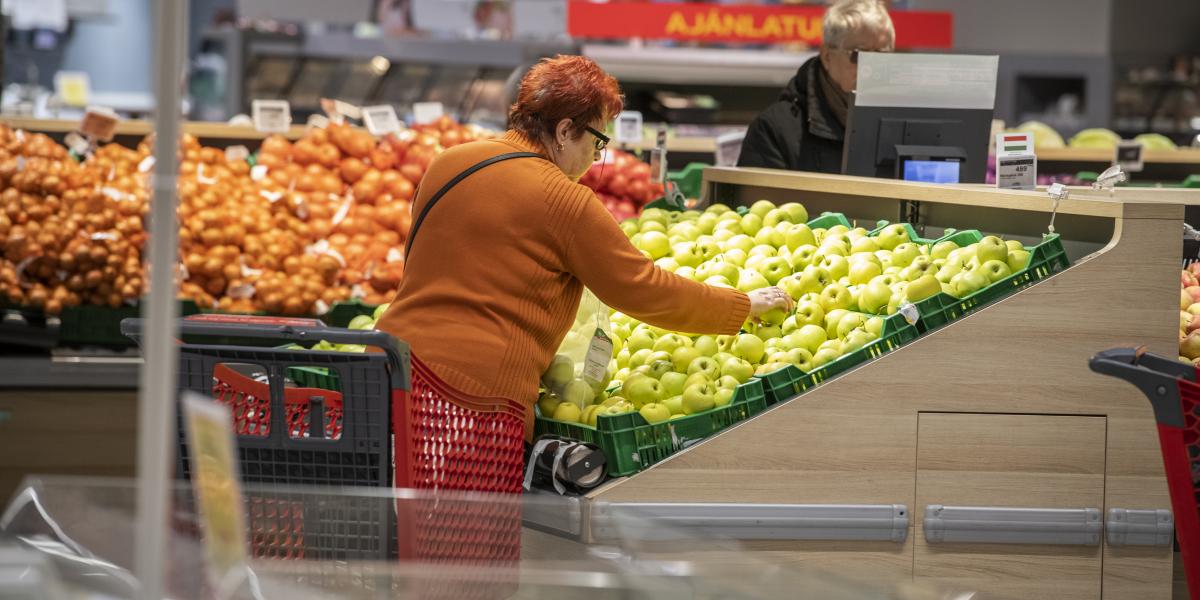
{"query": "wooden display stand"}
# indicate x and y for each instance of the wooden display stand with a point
(997, 409)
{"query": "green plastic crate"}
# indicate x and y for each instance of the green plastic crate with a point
(689, 179)
(962, 238)
(91, 325)
(790, 381)
(341, 313)
(631, 444)
(829, 219)
(315, 377)
(1045, 259)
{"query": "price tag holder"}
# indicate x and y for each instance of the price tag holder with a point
(381, 120)
(729, 148)
(99, 123)
(1129, 156)
(218, 490)
(427, 112)
(1016, 161)
(73, 87)
(629, 128)
(271, 116)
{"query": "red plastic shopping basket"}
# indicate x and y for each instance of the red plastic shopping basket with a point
(1174, 393)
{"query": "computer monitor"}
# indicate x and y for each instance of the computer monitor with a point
(936, 145)
(921, 117)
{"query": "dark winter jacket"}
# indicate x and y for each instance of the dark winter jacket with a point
(799, 131)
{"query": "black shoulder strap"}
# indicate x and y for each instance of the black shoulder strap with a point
(412, 232)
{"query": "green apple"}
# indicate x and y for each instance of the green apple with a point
(547, 404)
(655, 412)
(706, 365)
(904, 254)
(832, 318)
(777, 356)
(995, 270)
(769, 236)
(560, 371)
(814, 279)
(656, 243)
(1014, 245)
(717, 209)
(731, 382)
(765, 250)
(658, 355)
(774, 269)
(810, 313)
(748, 347)
(686, 273)
(864, 244)
(722, 235)
(659, 368)
(991, 248)
(892, 235)
(968, 282)
(835, 296)
(718, 281)
(673, 383)
(622, 374)
(379, 310)
(674, 404)
(639, 358)
(652, 226)
(718, 267)
(567, 412)
(706, 223)
(921, 288)
(725, 343)
(629, 227)
(795, 211)
(751, 223)
(754, 261)
(799, 235)
(738, 368)
(862, 271)
(697, 378)
(791, 285)
(874, 326)
(687, 254)
(808, 337)
(774, 217)
(750, 280)
(837, 266)
(706, 345)
(762, 207)
(699, 398)
(640, 339)
(767, 332)
(849, 322)
(741, 242)
(855, 340)
(683, 356)
(942, 249)
(669, 342)
(683, 232)
(789, 325)
(708, 247)
(773, 317)
(1018, 260)
(643, 390)
(874, 297)
(723, 397)
(802, 256)
(654, 214)
(825, 356)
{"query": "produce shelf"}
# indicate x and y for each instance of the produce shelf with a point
(1045, 259)
(631, 444)
(790, 381)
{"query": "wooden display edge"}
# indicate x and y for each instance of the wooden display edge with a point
(1106, 155)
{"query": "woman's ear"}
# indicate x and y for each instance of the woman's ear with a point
(562, 131)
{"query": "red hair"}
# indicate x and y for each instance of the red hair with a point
(564, 87)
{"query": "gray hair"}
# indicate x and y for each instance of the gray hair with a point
(847, 16)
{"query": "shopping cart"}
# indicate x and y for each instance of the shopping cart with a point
(1174, 392)
(391, 421)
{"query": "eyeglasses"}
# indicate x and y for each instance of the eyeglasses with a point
(601, 139)
(855, 51)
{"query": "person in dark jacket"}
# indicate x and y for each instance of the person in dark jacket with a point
(805, 128)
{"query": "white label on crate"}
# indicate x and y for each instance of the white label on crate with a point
(342, 211)
(271, 197)
(599, 352)
(146, 164)
(240, 292)
(427, 112)
(77, 143)
(381, 120)
(910, 313)
(271, 116)
(316, 121)
(728, 148)
(347, 110)
(1016, 172)
(629, 127)
(394, 255)
(107, 236)
(320, 307)
(1129, 156)
(258, 172)
(236, 153)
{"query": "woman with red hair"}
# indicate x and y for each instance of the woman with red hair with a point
(504, 240)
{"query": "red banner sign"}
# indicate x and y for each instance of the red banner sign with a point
(738, 23)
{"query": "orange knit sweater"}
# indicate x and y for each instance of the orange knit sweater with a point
(497, 268)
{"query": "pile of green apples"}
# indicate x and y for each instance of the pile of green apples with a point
(366, 322)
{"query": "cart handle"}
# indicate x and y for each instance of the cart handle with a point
(290, 329)
(1156, 376)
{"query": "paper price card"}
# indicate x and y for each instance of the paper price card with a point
(217, 487)
(427, 112)
(1016, 162)
(99, 123)
(381, 119)
(1129, 156)
(271, 116)
(729, 148)
(629, 127)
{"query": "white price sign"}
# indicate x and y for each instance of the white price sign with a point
(729, 147)
(1016, 161)
(629, 127)
(271, 116)
(427, 112)
(1129, 156)
(381, 119)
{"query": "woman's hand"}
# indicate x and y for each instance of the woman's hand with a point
(768, 298)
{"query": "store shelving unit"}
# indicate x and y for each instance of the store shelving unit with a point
(997, 409)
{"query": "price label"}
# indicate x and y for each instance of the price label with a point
(629, 127)
(729, 148)
(381, 119)
(1129, 156)
(99, 123)
(217, 488)
(427, 112)
(316, 121)
(271, 116)
(236, 153)
(73, 87)
(1016, 161)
